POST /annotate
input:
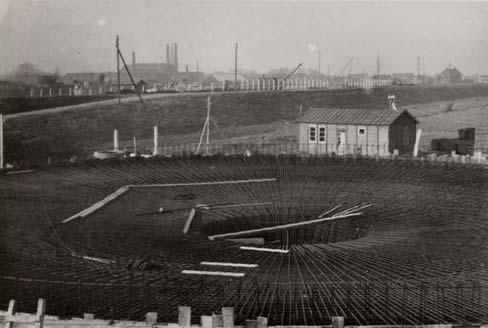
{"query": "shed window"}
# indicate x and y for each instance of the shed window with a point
(362, 131)
(312, 135)
(406, 136)
(321, 133)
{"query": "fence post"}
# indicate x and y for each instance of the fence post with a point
(10, 312)
(41, 309)
(337, 322)
(228, 317)
(184, 316)
(262, 322)
(155, 140)
(151, 318)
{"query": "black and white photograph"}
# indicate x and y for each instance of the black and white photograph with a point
(243, 164)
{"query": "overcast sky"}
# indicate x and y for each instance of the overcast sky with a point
(78, 35)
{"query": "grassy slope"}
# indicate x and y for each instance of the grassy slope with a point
(244, 116)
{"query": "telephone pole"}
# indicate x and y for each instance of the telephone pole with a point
(1, 142)
(319, 64)
(418, 68)
(378, 67)
(118, 66)
(235, 69)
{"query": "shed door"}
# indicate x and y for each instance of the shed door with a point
(362, 139)
(312, 138)
(341, 141)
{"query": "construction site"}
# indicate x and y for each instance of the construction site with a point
(152, 196)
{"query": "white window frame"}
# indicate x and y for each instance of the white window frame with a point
(319, 127)
(314, 127)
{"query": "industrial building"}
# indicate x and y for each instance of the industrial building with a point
(356, 131)
(450, 76)
(147, 74)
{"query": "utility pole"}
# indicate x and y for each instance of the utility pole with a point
(319, 65)
(378, 67)
(235, 69)
(328, 76)
(418, 68)
(208, 120)
(1, 142)
(118, 66)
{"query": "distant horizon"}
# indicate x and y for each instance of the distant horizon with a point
(241, 71)
(79, 36)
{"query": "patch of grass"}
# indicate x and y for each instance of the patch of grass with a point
(242, 116)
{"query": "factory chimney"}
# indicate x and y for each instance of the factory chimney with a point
(168, 60)
(133, 60)
(176, 57)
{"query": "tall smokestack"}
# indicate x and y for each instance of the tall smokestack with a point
(168, 60)
(133, 59)
(176, 57)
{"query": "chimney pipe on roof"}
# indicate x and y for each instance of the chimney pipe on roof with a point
(391, 102)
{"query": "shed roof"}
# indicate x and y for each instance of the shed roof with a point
(356, 116)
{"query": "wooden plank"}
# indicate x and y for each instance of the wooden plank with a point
(214, 273)
(201, 183)
(19, 172)
(280, 227)
(189, 220)
(237, 265)
(98, 259)
(249, 241)
(236, 205)
(264, 249)
(89, 210)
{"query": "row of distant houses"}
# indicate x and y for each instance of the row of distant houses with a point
(150, 74)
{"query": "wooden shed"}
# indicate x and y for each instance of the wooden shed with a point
(356, 131)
